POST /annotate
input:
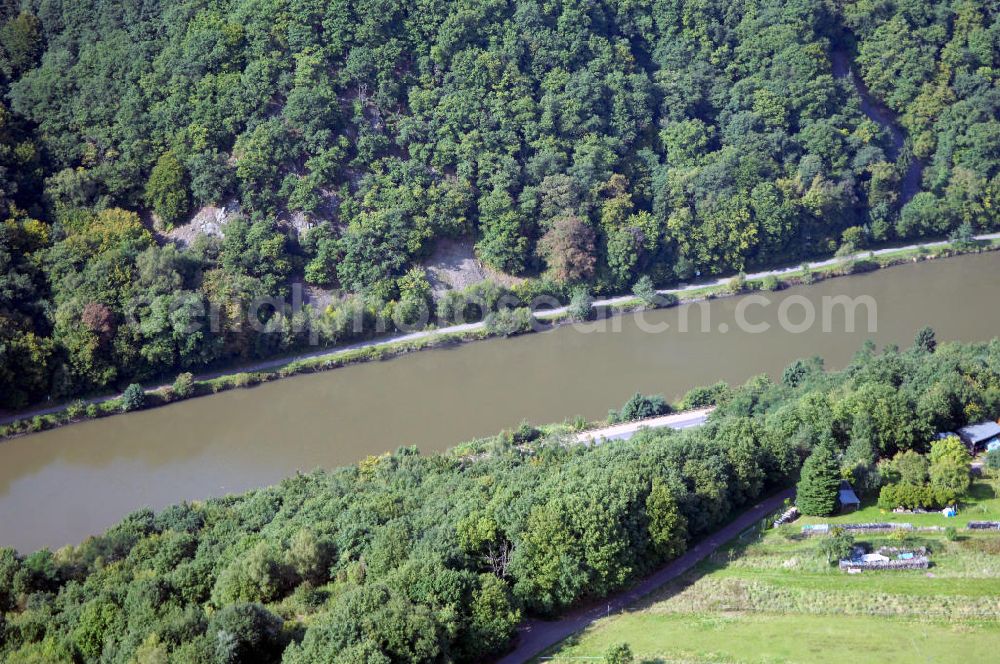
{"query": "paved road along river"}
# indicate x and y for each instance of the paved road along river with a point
(59, 486)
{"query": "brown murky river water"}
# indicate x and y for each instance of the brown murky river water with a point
(59, 486)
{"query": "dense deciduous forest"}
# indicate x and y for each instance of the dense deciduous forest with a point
(573, 141)
(409, 558)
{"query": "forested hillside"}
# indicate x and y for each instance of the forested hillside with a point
(406, 559)
(572, 141)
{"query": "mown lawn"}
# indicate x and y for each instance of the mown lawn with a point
(778, 600)
(770, 639)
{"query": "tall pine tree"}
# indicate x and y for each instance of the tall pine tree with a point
(816, 494)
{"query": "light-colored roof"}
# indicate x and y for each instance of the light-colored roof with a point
(977, 433)
(847, 495)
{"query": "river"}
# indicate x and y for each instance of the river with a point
(59, 486)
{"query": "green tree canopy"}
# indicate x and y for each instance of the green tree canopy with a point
(816, 493)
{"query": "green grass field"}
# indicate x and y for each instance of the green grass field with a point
(716, 637)
(777, 599)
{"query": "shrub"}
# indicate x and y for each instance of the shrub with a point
(410, 313)
(487, 292)
(912, 496)
(797, 372)
(737, 284)
(470, 304)
(963, 238)
(700, 397)
(889, 497)
(837, 546)
(901, 535)
(243, 379)
(860, 266)
(854, 236)
(451, 307)
(640, 407)
(645, 291)
(581, 304)
(845, 249)
(525, 433)
(950, 533)
(925, 339)
(619, 653)
(770, 283)
(993, 459)
(133, 398)
(183, 385)
(533, 289)
(509, 322)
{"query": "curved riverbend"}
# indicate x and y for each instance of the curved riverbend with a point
(59, 486)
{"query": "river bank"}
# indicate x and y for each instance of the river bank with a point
(36, 420)
(59, 486)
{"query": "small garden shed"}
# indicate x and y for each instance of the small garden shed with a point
(849, 500)
(978, 437)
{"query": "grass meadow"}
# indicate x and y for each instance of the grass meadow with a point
(775, 598)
